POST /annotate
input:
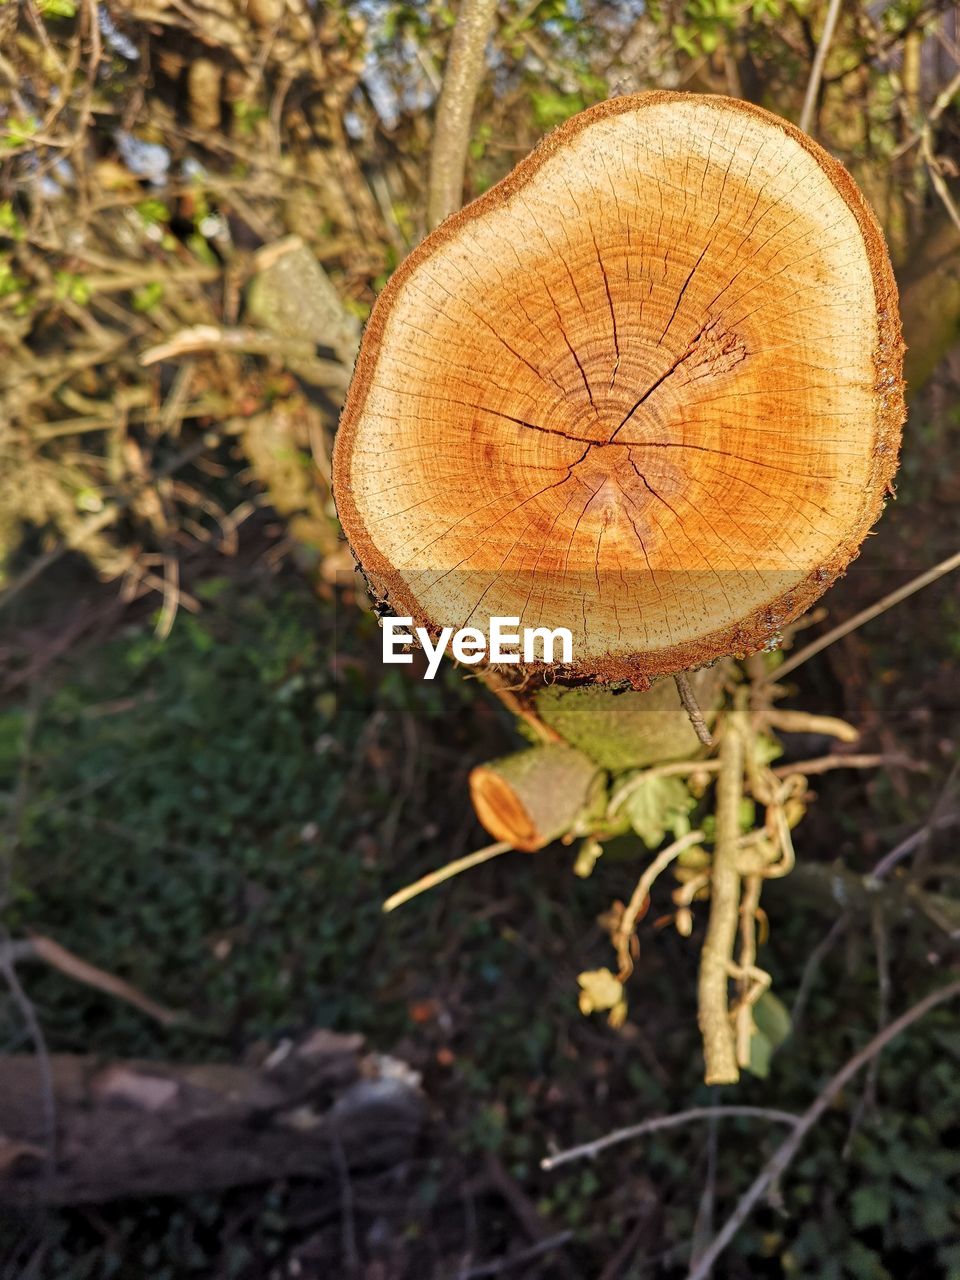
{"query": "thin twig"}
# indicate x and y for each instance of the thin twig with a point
(743, 1017)
(628, 921)
(659, 1123)
(692, 708)
(907, 846)
(819, 62)
(534, 1251)
(936, 176)
(810, 969)
(703, 1223)
(211, 337)
(38, 947)
(446, 873)
(803, 722)
(866, 615)
(101, 519)
(824, 764)
(781, 1159)
(44, 1069)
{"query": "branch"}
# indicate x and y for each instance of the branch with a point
(866, 615)
(824, 764)
(658, 1123)
(781, 1159)
(210, 337)
(623, 935)
(819, 61)
(716, 958)
(38, 947)
(692, 708)
(101, 519)
(466, 63)
(452, 869)
(44, 1070)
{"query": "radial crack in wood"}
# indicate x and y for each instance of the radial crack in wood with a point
(647, 388)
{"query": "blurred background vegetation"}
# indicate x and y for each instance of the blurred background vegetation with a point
(209, 786)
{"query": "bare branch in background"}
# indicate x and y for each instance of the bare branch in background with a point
(70, 965)
(866, 615)
(782, 1158)
(466, 63)
(659, 1123)
(819, 62)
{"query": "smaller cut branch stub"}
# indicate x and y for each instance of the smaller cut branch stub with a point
(535, 796)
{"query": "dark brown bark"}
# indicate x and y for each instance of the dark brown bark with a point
(150, 1128)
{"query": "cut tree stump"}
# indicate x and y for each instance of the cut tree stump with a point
(140, 1128)
(647, 388)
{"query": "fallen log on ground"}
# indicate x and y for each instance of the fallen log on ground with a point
(319, 1108)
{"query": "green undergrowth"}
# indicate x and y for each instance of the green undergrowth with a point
(217, 818)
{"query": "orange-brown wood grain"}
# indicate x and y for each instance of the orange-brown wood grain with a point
(647, 388)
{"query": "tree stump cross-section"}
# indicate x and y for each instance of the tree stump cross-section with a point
(648, 388)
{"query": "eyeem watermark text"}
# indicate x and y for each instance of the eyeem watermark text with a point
(505, 643)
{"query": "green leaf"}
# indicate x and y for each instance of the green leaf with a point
(938, 1222)
(685, 40)
(658, 805)
(551, 109)
(771, 1027)
(766, 749)
(58, 8)
(147, 297)
(153, 211)
(870, 1205)
(863, 1264)
(772, 1018)
(917, 1175)
(761, 1051)
(10, 224)
(67, 285)
(19, 131)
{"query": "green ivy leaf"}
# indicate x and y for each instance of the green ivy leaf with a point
(862, 1263)
(658, 805)
(773, 1018)
(771, 1027)
(761, 1051)
(870, 1205)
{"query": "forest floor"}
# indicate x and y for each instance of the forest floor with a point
(218, 817)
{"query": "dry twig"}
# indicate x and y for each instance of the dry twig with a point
(659, 1123)
(452, 869)
(819, 62)
(781, 1159)
(623, 935)
(866, 615)
(38, 947)
(692, 708)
